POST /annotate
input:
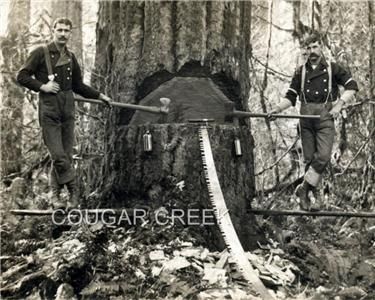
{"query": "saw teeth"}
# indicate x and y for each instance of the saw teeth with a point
(223, 220)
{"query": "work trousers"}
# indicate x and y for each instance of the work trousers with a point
(317, 139)
(56, 116)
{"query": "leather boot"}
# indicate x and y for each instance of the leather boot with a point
(73, 194)
(318, 201)
(56, 201)
(302, 192)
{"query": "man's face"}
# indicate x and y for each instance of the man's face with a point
(314, 51)
(61, 34)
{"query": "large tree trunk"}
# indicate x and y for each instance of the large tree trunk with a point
(13, 49)
(368, 172)
(139, 39)
(141, 46)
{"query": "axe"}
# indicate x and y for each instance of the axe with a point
(230, 111)
(163, 109)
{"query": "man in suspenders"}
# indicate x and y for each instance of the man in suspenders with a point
(54, 72)
(316, 83)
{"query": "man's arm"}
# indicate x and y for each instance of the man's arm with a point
(77, 82)
(291, 95)
(293, 90)
(344, 79)
(81, 88)
(284, 104)
(25, 74)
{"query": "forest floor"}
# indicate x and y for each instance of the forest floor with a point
(304, 258)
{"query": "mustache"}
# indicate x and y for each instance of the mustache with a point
(314, 55)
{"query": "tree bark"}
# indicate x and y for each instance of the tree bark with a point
(371, 12)
(368, 171)
(164, 36)
(141, 47)
(13, 53)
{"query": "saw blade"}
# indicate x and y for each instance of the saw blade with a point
(223, 217)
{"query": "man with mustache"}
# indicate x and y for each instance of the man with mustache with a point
(54, 72)
(316, 84)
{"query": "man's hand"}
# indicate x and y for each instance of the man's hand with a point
(335, 111)
(106, 100)
(50, 87)
(270, 116)
(284, 104)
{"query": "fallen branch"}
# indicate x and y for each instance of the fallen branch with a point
(279, 159)
(358, 152)
(82, 112)
(364, 101)
(4, 258)
(271, 69)
(312, 213)
(26, 283)
(27, 173)
(40, 212)
(274, 25)
(281, 188)
(17, 268)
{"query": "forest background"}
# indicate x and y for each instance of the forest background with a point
(277, 29)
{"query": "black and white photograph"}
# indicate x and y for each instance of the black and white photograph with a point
(187, 149)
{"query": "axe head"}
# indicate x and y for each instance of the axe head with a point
(164, 108)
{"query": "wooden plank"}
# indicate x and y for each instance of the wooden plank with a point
(312, 213)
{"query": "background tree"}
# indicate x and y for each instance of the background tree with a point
(369, 172)
(14, 50)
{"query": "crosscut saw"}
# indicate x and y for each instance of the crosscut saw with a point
(223, 218)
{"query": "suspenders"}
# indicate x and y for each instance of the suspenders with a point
(303, 78)
(303, 82)
(47, 58)
(329, 70)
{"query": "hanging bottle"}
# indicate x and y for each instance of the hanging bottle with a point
(237, 147)
(147, 142)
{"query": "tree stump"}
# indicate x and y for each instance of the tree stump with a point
(133, 176)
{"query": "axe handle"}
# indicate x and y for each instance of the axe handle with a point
(150, 109)
(245, 114)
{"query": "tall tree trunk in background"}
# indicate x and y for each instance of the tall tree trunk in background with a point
(144, 47)
(316, 18)
(165, 36)
(300, 14)
(71, 9)
(371, 19)
(13, 49)
(369, 173)
(263, 91)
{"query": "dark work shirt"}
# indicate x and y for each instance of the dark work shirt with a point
(316, 83)
(67, 72)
